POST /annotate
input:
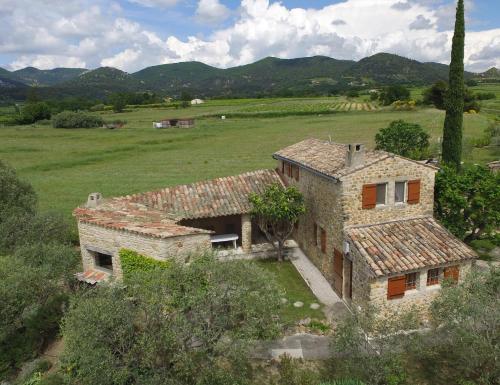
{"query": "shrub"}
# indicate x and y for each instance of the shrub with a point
(402, 138)
(485, 95)
(16, 196)
(98, 107)
(33, 112)
(133, 262)
(392, 93)
(69, 119)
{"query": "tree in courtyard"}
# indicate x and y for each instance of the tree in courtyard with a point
(187, 324)
(277, 209)
(454, 102)
(402, 138)
(467, 202)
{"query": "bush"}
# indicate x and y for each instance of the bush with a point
(133, 262)
(485, 95)
(98, 107)
(16, 196)
(33, 112)
(390, 94)
(69, 119)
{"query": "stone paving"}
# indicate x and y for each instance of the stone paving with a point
(305, 346)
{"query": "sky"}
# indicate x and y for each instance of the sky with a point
(134, 34)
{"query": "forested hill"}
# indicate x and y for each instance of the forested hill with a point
(267, 77)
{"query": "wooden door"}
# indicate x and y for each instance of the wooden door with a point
(338, 272)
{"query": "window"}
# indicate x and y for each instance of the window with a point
(381, 193)
(315, 234)
(400, 192)
(104, 261)
(323, 241)
(432, 277)
(411, 281)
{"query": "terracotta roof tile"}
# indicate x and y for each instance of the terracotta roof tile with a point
(329, 158)
(412, 244)
(211, 198)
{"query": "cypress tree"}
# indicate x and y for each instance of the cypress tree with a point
(453, 122)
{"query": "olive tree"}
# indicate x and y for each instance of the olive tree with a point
(187, 324)
(276, 210)
(402, 138)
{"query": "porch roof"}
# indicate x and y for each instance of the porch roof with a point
(406, 245)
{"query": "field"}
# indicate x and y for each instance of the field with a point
(65, 165)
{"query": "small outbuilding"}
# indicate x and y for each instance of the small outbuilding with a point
(197, 101)
(174, 122)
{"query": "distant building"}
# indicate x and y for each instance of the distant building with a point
(174, 122)
(197, 101)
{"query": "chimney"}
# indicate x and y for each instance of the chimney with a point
(355, 155)
(94, 200)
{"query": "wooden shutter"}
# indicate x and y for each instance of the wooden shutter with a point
(413, 191)
(323, 240)
(452, 272)
(338, 263)
(297, 168)
(369, 196)
(289, 170)
(396, 287)
(315, 230)
(283, 167)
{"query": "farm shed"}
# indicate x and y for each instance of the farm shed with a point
(197, 101)
(175, 122)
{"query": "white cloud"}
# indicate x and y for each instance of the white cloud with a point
(93, 33)
(155, 3)
(211, 12)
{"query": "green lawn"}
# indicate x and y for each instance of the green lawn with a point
(296, 290)
(66, 165)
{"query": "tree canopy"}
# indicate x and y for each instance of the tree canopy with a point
(393, 93)
(187, 324)
(277, 209)
(402, 138)
(467, 202)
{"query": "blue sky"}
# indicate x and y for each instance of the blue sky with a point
(133, 34)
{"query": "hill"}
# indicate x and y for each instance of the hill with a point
(35, 77)
(317, 75)
(492, 73)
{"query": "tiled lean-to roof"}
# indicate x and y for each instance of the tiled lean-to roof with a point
(121, 214)
(405, 245)
(328, 158)
(210, 198)
(156, 213)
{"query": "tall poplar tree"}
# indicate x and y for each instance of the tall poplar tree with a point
(454, 103)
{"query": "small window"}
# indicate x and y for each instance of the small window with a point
(104, 261)
(323, 241)
(411, 281)
(400, 192)
(381, 193)
(432, 277)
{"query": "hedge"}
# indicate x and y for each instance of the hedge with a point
(133, 262)
(70, 119)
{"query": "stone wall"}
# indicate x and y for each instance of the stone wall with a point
(420, 297)
(387, 171)
(322, 200)
(96, 238)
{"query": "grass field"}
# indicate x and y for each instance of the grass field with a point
(65, 165)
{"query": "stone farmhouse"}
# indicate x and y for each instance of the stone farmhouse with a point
(368, 226)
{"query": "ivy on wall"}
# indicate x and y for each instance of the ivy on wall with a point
(133, 262)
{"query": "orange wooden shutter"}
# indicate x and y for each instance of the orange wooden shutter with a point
(396, 287)
(413, 191)
(452, 272)
(323, 240)
(369, 196)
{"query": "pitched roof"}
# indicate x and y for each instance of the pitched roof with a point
(328, 158)
(211, 198)
(121, 214)
(412, 244)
